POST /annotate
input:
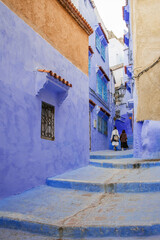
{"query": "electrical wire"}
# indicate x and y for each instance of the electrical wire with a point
(147, 69)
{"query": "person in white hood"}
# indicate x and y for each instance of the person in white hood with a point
(115, 138)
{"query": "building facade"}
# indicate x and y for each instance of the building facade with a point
(100, 80)
(145, 25)
(44, 92)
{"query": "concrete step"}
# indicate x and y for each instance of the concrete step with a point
(95, 179)
(124, 163)
(12, 234)
(64, 213)
(109, 154)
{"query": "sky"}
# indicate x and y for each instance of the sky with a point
(111, 14)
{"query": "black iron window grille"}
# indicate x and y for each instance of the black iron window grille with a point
(47, 121)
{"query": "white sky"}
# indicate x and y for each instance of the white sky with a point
(111, 14)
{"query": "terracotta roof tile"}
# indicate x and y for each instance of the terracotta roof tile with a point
(104, 111)
(104, 73)
(56, 76)
(91, 102)
(73, 11)
(91, 50)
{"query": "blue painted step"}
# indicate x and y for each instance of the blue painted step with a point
(124, 163)
(95, 179)
(74, 214)
(110, 156)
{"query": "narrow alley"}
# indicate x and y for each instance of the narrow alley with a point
(80, 119)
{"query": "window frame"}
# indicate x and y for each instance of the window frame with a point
(52, 138)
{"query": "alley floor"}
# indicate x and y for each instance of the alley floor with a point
(115, 197)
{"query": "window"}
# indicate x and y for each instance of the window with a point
(47, 121)
(101, 47)
(105, 127)
(103, 55)
(98, 43)
(102, 126)
(101, 86)
(99, 124)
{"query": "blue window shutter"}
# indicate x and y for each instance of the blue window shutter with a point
(103, 55)
(104, 96)
(126, 39)
(105, 92)
(99, 85)
(98, 43)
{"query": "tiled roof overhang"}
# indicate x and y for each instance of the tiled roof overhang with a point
(91, 50)
(73, 11)
(56, 76)
(100, 68)
(104, 111)
(103, 32)
(92, 103)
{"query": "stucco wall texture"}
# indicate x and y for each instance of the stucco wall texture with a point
(146, 49)
(146, 136)
(57, 26)
(26, 160)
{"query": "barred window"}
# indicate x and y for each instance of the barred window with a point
(47, 121)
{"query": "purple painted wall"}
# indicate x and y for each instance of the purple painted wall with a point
(26, 160)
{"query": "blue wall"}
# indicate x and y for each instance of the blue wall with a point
(125, 123)
(26, 160)
(146, 136)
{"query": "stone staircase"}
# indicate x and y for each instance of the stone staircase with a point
(115, 196)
